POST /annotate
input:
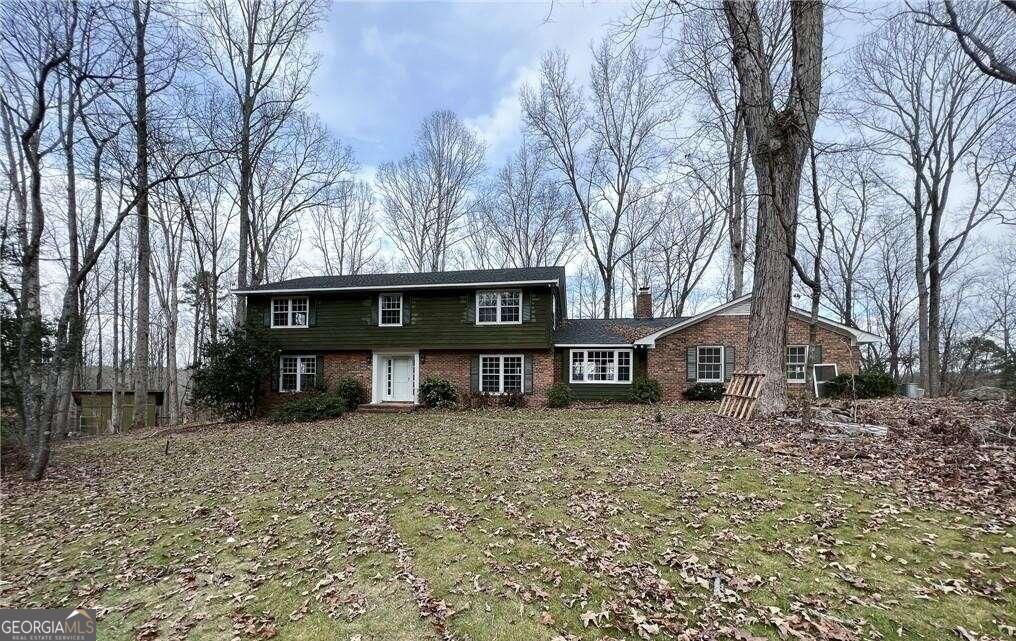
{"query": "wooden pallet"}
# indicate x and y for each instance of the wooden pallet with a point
(741, 395)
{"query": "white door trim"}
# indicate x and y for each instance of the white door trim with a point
(376, 378)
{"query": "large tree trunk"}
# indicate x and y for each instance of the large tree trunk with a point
(736, 226)
(778, 142)
(144, 242)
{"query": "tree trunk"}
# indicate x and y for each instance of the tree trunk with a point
(144, 242)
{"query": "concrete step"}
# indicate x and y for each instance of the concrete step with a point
(386, 408)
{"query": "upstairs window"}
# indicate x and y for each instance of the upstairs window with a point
(289, 312)
(600, 366)
(797, 358)
(297, 373)
(390, 306)
(498, 306)
(710, 365)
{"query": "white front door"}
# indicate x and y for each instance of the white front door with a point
(397, 378)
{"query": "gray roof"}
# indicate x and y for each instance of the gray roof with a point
(609, 331)
(420, 279)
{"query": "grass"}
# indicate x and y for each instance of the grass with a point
(488, 525)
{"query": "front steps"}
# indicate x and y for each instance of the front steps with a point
(386, 408)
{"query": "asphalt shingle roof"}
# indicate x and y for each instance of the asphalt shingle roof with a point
(609, 331)
(414, 279)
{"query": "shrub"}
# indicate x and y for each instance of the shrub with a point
(438, 392)
(646, 390)
(559, 395)
(868, 384)
(352, 392)
(476, 401)
(309, 408)
(705, 392)
(513, 400)
(228, 377)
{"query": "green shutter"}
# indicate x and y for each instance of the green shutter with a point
(373, 311)
(729, 362)
(527, 385)
(275, 374)
(312, 312)
(474, 374)
(366, 311)
(268, 314)
(527, 307)
(407, 313)
(469, 308)
(691, 364)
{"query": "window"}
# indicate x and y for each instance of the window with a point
(710, 365)
(498, 306)
(390, 310)
(289, 312)
(601, 366)
(797, 358)
(500, 374)
(297, 373)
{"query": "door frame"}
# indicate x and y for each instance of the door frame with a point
(376, 379)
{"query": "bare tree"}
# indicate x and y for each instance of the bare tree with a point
(259, 50)
(426, 197)
(778, 140)
(345, 233)
(932, 110)
(531, 219)
(984, 29)
(606, 146)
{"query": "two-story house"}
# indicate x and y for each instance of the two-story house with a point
(507, 330)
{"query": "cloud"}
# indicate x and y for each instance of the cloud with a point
(501, 127)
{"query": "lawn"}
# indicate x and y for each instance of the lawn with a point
(577, 524)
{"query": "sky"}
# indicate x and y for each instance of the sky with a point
(385, 66)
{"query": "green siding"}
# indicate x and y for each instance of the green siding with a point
(601, 391)
(438, 320)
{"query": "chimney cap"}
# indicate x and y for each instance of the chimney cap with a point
(644, 288)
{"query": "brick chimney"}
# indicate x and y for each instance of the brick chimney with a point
(644, 303)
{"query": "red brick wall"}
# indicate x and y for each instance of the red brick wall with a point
(667, 361)
(454, 365)
(334, 365)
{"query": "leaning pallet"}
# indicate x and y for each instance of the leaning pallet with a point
(741, 395)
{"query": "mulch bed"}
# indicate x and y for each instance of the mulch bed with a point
(935, 453)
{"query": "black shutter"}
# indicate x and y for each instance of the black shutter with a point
(268, 314)
(691, 363)
(373, 302)
(729, 362)
(407, 314)
(275, 373)
(312, 312)
(469, 308)
(527, 384)
(527, 307)
(474, 374)
(366, 311)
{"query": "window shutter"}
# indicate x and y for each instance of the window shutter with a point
(275, 374)
(816, 353)
(373, 310)
(366, 311)
(527, 307)
(692, 364)
(268, 314)
(312, 312)
(407, 314)
(469, 308)
(474, 374)
(527, 385)
(729, 362)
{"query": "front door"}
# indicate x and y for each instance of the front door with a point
(397, 381)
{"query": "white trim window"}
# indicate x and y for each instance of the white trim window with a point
(797, 359)
(297, 373)
(709, 364)
(290, 312)
(501, 373)
(600, 366)
(499, 307)
(389, 310)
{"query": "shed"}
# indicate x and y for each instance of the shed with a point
(95, 407)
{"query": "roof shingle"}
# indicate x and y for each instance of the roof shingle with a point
(452, 278)
(609, 331)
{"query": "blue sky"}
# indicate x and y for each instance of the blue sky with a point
(385, 66)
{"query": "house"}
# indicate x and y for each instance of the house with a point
(505, 330)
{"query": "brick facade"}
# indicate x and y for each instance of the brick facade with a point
(334, 365)
(668, 360)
